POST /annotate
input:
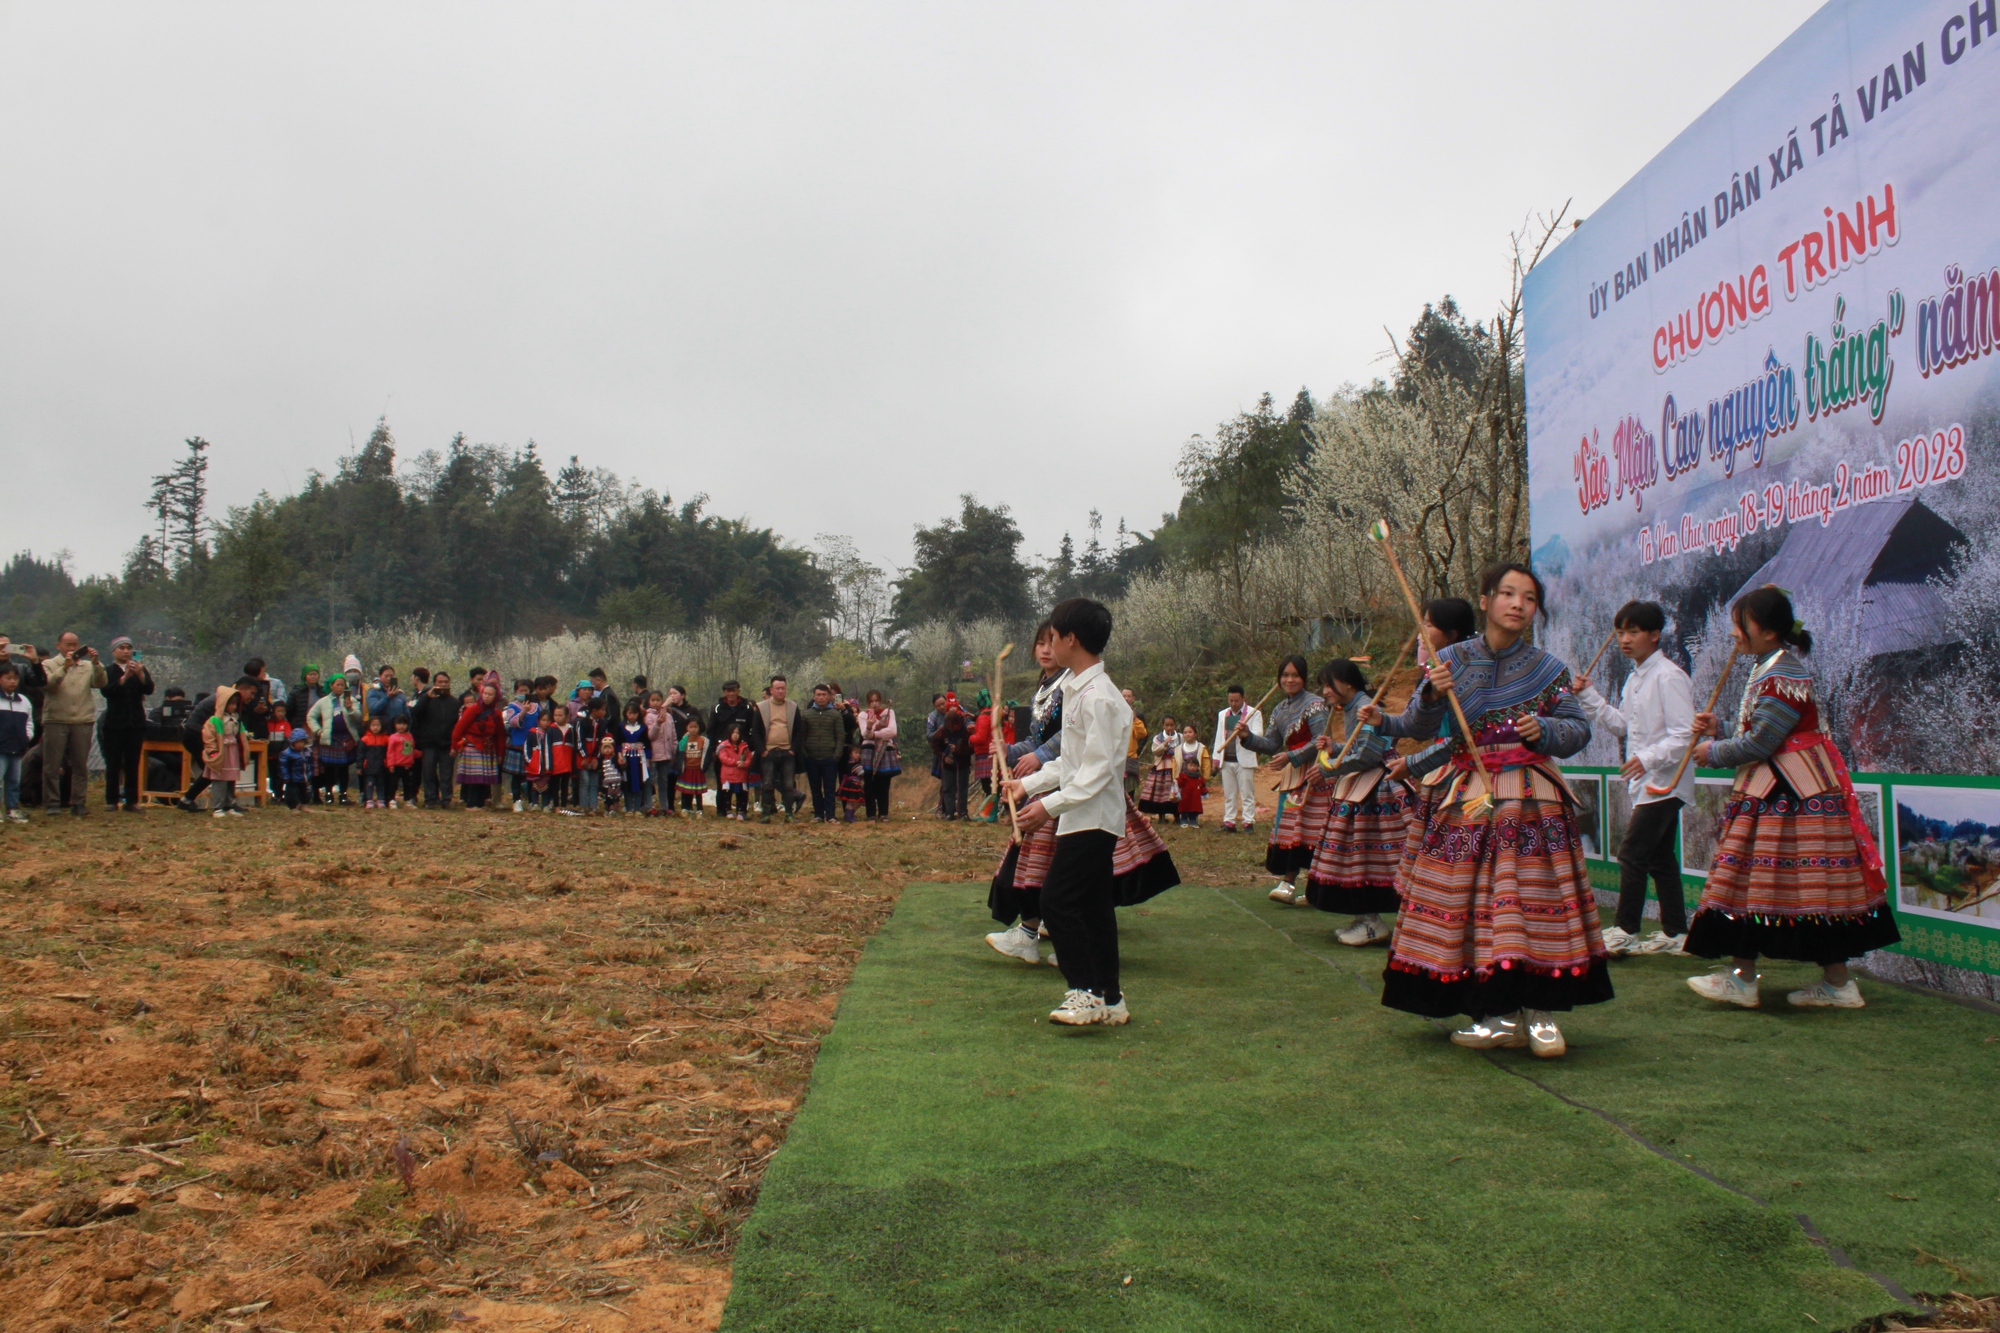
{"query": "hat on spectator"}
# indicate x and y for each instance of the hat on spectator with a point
(298, 734)
(120, 641)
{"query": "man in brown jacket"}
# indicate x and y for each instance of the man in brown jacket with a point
(69, 715)
(778, 758)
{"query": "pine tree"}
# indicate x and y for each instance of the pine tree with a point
(180, 500)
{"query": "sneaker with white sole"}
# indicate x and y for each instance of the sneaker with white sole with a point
(1491, 1033)
(1723, 984)
(1366, 930)
(519, 807)
(1116, 1015)
(1820, 995)
(1282, 892)
(1079, 1008)
(221, 814)
(235, 812)
(1545, 1039)
(1017, 942)
(1662, 943)
(1051, 959)
(1617, 942)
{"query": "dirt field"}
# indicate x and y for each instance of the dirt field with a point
(354, 1070)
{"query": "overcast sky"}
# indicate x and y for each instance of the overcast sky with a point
(832, 264)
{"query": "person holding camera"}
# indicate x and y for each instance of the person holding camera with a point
(120, 735)
(69, 713)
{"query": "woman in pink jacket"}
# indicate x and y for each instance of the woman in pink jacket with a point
(879, 756)
(662, 740)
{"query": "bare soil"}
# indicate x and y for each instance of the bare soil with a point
(411, 1070)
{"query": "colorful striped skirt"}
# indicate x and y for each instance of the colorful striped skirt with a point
(1297, 829)
(1354, 867)
(1159, 793)
(1141, 867)
(1497, 914)
(477, 768)
(1788, 882)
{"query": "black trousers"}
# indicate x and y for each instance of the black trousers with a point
(875, 796)
(198, 781)
(436, 766)
(121, 764)
(1650, 849)
(1078, 910)
(952, 784)
(823, 780)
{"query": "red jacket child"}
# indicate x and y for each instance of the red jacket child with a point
(732, 758)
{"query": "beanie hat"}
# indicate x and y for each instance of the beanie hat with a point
(352, 663)
(298, 734)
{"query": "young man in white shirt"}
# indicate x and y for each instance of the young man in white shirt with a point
(1655, 715)
(1083, 790)
(1238, 763)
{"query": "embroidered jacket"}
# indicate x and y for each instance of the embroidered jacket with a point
(1495, 689)
(1777, 702)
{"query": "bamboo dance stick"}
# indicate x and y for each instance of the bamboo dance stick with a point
(1380, 532)
(1591, 670)
(999, 743)
(1713, 695)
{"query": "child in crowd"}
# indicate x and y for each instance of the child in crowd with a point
(660, 738)
(521, 716)
(591, 733)
(693, 780)
(1193, 778)
(552, 760)
(17, 733)
(294, 770)
(222, 751)
(374, 766)
(280, 732)
(732, 760)
(611, 776)
(1160, 792)
(402, 762)
(635, 759)
(853, 783)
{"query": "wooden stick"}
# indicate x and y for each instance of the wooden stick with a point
(1457, 711)
(1713, 695)
(1392, 672)
(998, 745)
(1591, 670)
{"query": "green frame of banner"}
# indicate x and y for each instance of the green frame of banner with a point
(1956, 944)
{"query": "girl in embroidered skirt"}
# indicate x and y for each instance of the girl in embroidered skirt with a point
(1797, 874)
(1297, 723)
(1140, 862)
(1160, 790)
(1498, 920)
(1354, 867)
(692, 780)
(1192, 774)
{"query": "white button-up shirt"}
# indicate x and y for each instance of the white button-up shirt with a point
(1655, 715)
(1084, 786)
(1225, 722)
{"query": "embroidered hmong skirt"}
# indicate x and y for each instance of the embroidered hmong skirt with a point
(1423, 799)
(1497, 915)
(1296, 831)
(1159, 794)
(476, 768)
(516, 761)
(1354, 867)
(1141, 867)
(1788, 883)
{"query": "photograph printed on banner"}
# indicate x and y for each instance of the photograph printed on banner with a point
(1589, 791)
(1948, 853)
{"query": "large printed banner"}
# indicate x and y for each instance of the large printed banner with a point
(1771, 358)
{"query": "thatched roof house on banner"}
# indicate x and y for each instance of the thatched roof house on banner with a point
(1879, 556)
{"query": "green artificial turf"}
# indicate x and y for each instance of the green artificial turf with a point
(1266, 1147)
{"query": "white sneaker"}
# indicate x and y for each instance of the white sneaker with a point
(1079, 1008)
(518, 807)
(1017, 942)
(1723, 984)
(1545, 1039)
(1617, 942)
(1282, 892)
(1366, 930)
(392, 805)
(1661, 942)
(1819, 995)
(1492, 1033)
(16, 817)
(221, 814)
(1116, 1015)
(235, 813)
(1051, 959)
